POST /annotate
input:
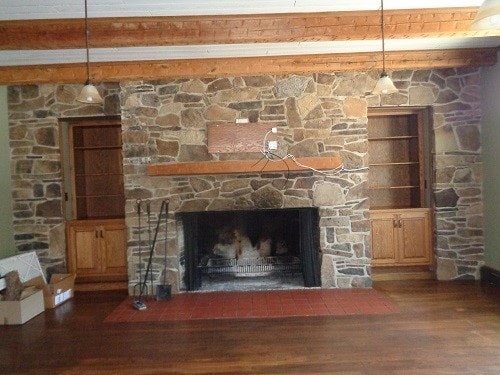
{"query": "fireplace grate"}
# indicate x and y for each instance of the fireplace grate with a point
(250, 267)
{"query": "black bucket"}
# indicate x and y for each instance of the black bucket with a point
(163, 292)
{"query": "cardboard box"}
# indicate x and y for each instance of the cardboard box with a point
(59, 289)
(19, 312)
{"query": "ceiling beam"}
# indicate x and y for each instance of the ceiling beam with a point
(246, 66)
(257, 28)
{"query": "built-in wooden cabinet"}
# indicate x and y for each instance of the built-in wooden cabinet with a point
(401, 228)
(96, 232)
(401, 237)
(97, 250)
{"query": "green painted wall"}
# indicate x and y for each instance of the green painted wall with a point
(490, 125)
(7, 247)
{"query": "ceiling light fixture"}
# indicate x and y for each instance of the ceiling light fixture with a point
(488, 16)
(89, 93)
(384, 84)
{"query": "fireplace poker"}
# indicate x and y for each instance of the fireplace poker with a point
(152, 245)
(138, 304)
(164, 291)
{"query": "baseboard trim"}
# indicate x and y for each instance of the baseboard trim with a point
(490, 276)
(90, 287)
(402, 273)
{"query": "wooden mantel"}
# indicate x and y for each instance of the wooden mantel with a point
(244, 166)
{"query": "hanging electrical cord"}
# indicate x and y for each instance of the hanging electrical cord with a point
(265, 146)
(287, 178)
(270, 156)
(273, 157)
(335, 172)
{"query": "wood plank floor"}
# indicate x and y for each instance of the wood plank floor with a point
(441, 328)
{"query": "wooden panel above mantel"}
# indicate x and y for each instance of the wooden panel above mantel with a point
(244, 166)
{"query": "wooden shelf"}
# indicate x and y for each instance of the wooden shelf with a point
(395, 187)
(244, 166)
(393, 164)
(99, 196)
(97, 174)
(97, 147)
(393, 138)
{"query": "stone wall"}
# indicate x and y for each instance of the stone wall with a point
(457, 171)
(320, 114)
(36, 164)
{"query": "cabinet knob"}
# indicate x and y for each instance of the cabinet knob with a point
(396, 223)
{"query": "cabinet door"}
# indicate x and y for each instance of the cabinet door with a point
(97, 250)
(113, 249)
(414, 238)
(383, 239)
(83, 245)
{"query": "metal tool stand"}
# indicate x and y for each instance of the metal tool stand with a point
(139, 304)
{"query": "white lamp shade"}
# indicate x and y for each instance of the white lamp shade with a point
(488, 16)
(89, 95)
(384, 85)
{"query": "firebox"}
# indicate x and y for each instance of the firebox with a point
(251, 249)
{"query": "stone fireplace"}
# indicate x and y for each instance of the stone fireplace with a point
(340, 239)
(250, 249)
(318, 114)
(167, 122)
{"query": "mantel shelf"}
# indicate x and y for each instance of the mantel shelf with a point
(243, 166)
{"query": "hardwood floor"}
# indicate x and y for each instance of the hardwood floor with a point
(442, 328)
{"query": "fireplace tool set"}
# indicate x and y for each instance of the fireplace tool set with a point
(163, 291)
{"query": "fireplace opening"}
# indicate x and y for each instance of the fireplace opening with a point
(251, 250)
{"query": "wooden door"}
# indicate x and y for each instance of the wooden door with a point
(383, 238)
(414, 241)
(113, 249)
(83, 246)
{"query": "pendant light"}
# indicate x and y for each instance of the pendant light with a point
(488, 16)
(384, 84)
(89, 93)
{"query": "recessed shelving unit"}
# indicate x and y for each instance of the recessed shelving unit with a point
(395, 146)
(96, 233)
(399, 214)
(97, 164)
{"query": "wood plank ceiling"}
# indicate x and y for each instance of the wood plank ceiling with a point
(207, 45)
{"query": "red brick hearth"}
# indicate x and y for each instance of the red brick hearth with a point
(265, 304)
